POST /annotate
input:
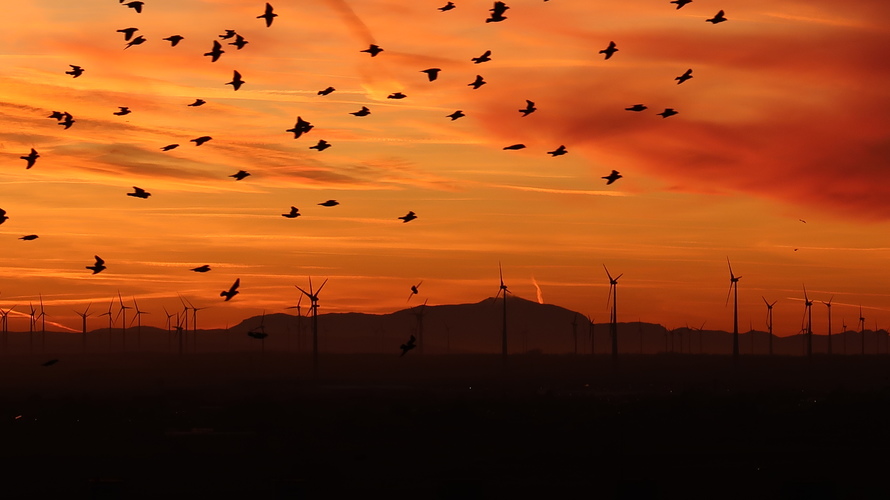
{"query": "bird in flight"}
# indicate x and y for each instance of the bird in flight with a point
(98, 267)
(300, 128)
(228, 34)
(67, 121)
(558, 151)
(215, 52)
(667, 112)
(168, 147)
(321, 146)
(448, 6)
(396, 95)
(31, 158)
(529, 108)
(373, 50)
(239, 175)
(515, 147)
(432, 73)
(802, 221)
(719, 18)
(139, 193)
(268, 15)
(611, 49)
(414, 290)
(614, 176)
(457, 114)
(478, 82)
(681, 3)
(326, 91)
(410, 216)
(685, 76)
(497, 12)
(124, 110)
(233, 290)
(637, 107)
(198, 102)
(75, 71)
(201, 140)
(293, 214)
(408, 345)
(29, 237)
(239, 42)
(139, 40)
(201, 269)
(3, 217)
(362, 112)
(236, 82)
(330, 203)
(174, 39)
(137, 6)
(128, 33)
(483, 58)
(57, 115)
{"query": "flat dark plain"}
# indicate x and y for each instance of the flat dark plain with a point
(251, 425)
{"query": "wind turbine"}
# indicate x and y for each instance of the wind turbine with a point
(138, 319)
(419, 315)
(591, 333)
(123, 311)
(42, 317)
(110, 321)
(808, 316)
(828, 305)
(195, 324)
(844, 333)
(5, 326)
(299, 324)
(769, 322)
(169, 327)
(33, 325)
(862, 329)
(83, 315)
(503, 289)
(613, 297)
(185, 319)
(734, 286)
(313, 300)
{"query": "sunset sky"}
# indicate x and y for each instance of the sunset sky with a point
(786, 118)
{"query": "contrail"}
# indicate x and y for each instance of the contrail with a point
(355, 24)
(538, 290)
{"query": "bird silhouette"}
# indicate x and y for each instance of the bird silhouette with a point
(198, 102)
(139, 193)
(483, 58)
(201, 140)
(685, 76)
(124, 110)
(201, 269)
(321, 146)
(558, 151)
(432, 73)
(373, 50)
(515, 146)
(57, 115)
(137, 6)
(667, 112)
(457, 114)
(139, 40)
(3, 217)
(448, 6)
(31, 158)
(300, 128)
(293, 214)
(98, 267)
(497, 12)
(802, 221)
(50, 362)
(174, 39)
(326, 91)
(637, 107)
(414, 290)
(236, 82)
(611, 49)
(529, 108)
(239, 175)
(330, 203)
(75, 71)
(233, 290)
(128, 33)
(215, 52)
(168, 147)
(681, 3)
(478, 82)
(228, 34)
(408, 345)
(362, 112)
(67, 121)
(719, 18)
(614, 176)
(29, 237)
(396, 95)
(410, 216)
(268, 15)
(239, 42)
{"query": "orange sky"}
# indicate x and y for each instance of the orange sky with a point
(785, 119)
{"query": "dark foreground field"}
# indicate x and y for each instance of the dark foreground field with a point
(250, 426)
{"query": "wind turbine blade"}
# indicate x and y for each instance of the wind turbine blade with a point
(731, 276)
(88, 308)
(728, 294)
(323, 283)
(607, 272)
(764, 301)
(619, 276)
(501, 273)
(304, 291)
(609, 297)
(311, 291)
(805, 298)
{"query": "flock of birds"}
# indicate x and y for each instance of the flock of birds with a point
(301, 127)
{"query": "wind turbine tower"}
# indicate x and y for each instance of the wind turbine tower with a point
(123, 311)
(734, 287)
(808, 315)
(503, 289)
(5, 326)
(862, 329)
(613, 297)
(313, 300)
(769, 322)
(138, 320)
(83, 330)
(828, 305)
